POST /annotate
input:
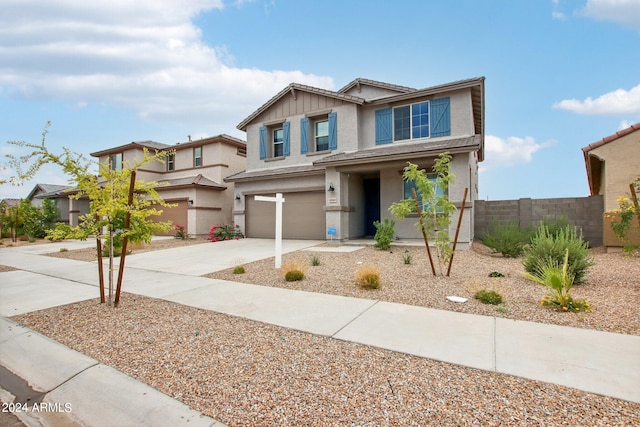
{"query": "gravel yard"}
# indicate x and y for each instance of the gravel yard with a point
(246, 373)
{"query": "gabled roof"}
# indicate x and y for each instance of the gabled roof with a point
(47, 190)
(594, 164)
(190, 181)
(403, 151)
(291, 89)
(382, 85)
(153, 145)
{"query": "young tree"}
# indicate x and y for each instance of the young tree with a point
(432, 205)
(118, 203)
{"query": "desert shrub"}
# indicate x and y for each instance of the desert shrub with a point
(488, 297)
(385, 233)
(496, 274)
(293, 271)
(546, 247)
(407, 257)
(239, 269)
(558, 280)
(507, 238)
(315, 261)
(368, 277)
(555, 225)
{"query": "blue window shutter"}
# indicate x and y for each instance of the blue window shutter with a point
(440, 117)
(304, 135)
(263, 142)
(384, 127)
(287, 140)
(333, 131)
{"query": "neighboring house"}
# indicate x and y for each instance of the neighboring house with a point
(192, 178)
(612, 164)
(68, 209)
(338, 157)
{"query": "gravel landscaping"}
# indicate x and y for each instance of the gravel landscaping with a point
(246, 373)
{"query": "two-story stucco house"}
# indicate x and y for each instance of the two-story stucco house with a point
(192, 178)
(338, 157)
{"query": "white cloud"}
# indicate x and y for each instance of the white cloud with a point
(625, 12)
(619, 101)
(509, 152)
(146, 56)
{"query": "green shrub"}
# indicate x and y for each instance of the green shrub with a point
(556, 225)
(546, 247)
(407, 257)
(315, 261)
(385, 233)
(368, 277)
(488, 297)
(507, 238)
(496, 274)
(238, 270)
(293, 276)
(558, 280)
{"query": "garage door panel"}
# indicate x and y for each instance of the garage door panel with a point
(303, 216)
(177, 214)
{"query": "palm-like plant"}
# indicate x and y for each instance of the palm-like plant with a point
(558, 281)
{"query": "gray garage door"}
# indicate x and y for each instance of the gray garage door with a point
(303, 216)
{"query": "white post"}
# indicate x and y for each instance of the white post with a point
(279, 200)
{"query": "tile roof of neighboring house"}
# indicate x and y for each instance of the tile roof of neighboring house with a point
(292, 88)
(142, 144)
(190, 181)
(610, 138)
(276, 173)
(403, 151)
(47, 190)
(360, 81)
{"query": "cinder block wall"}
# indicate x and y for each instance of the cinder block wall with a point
(584, 212)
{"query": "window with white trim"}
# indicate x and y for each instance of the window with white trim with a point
(278, 142)
(171, 162)
(197, 157)
(321, 134)
(115, 162)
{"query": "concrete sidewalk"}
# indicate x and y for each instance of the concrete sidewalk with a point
(593, 361)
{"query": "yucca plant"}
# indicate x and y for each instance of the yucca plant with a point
(558, 281)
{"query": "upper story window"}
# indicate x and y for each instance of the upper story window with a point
(171, 162)
(278, 142)
(197, 157)
(275, 141)
(115, 162)
(420, 120)
(319, 133)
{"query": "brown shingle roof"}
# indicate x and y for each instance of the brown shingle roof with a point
(143, 144)
(400, 151)
(189, 181)
(276, 173)
(374, 83)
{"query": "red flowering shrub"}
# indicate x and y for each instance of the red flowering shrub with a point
(219, 232)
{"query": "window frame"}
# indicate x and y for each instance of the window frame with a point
(197, 156)
(273, 142)
(424, 206)
(316, 145)
(408, 115)
(115, 165)
(171, 162)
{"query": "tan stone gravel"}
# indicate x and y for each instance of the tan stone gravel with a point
(245, 373)
(612, 285)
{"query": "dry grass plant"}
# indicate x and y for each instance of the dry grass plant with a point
(368, 277)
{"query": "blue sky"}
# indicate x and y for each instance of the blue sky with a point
(560, 74)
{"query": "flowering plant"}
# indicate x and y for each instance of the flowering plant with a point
(180, 232)
(220, 232)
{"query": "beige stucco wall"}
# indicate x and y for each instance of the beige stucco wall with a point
(622, 166)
